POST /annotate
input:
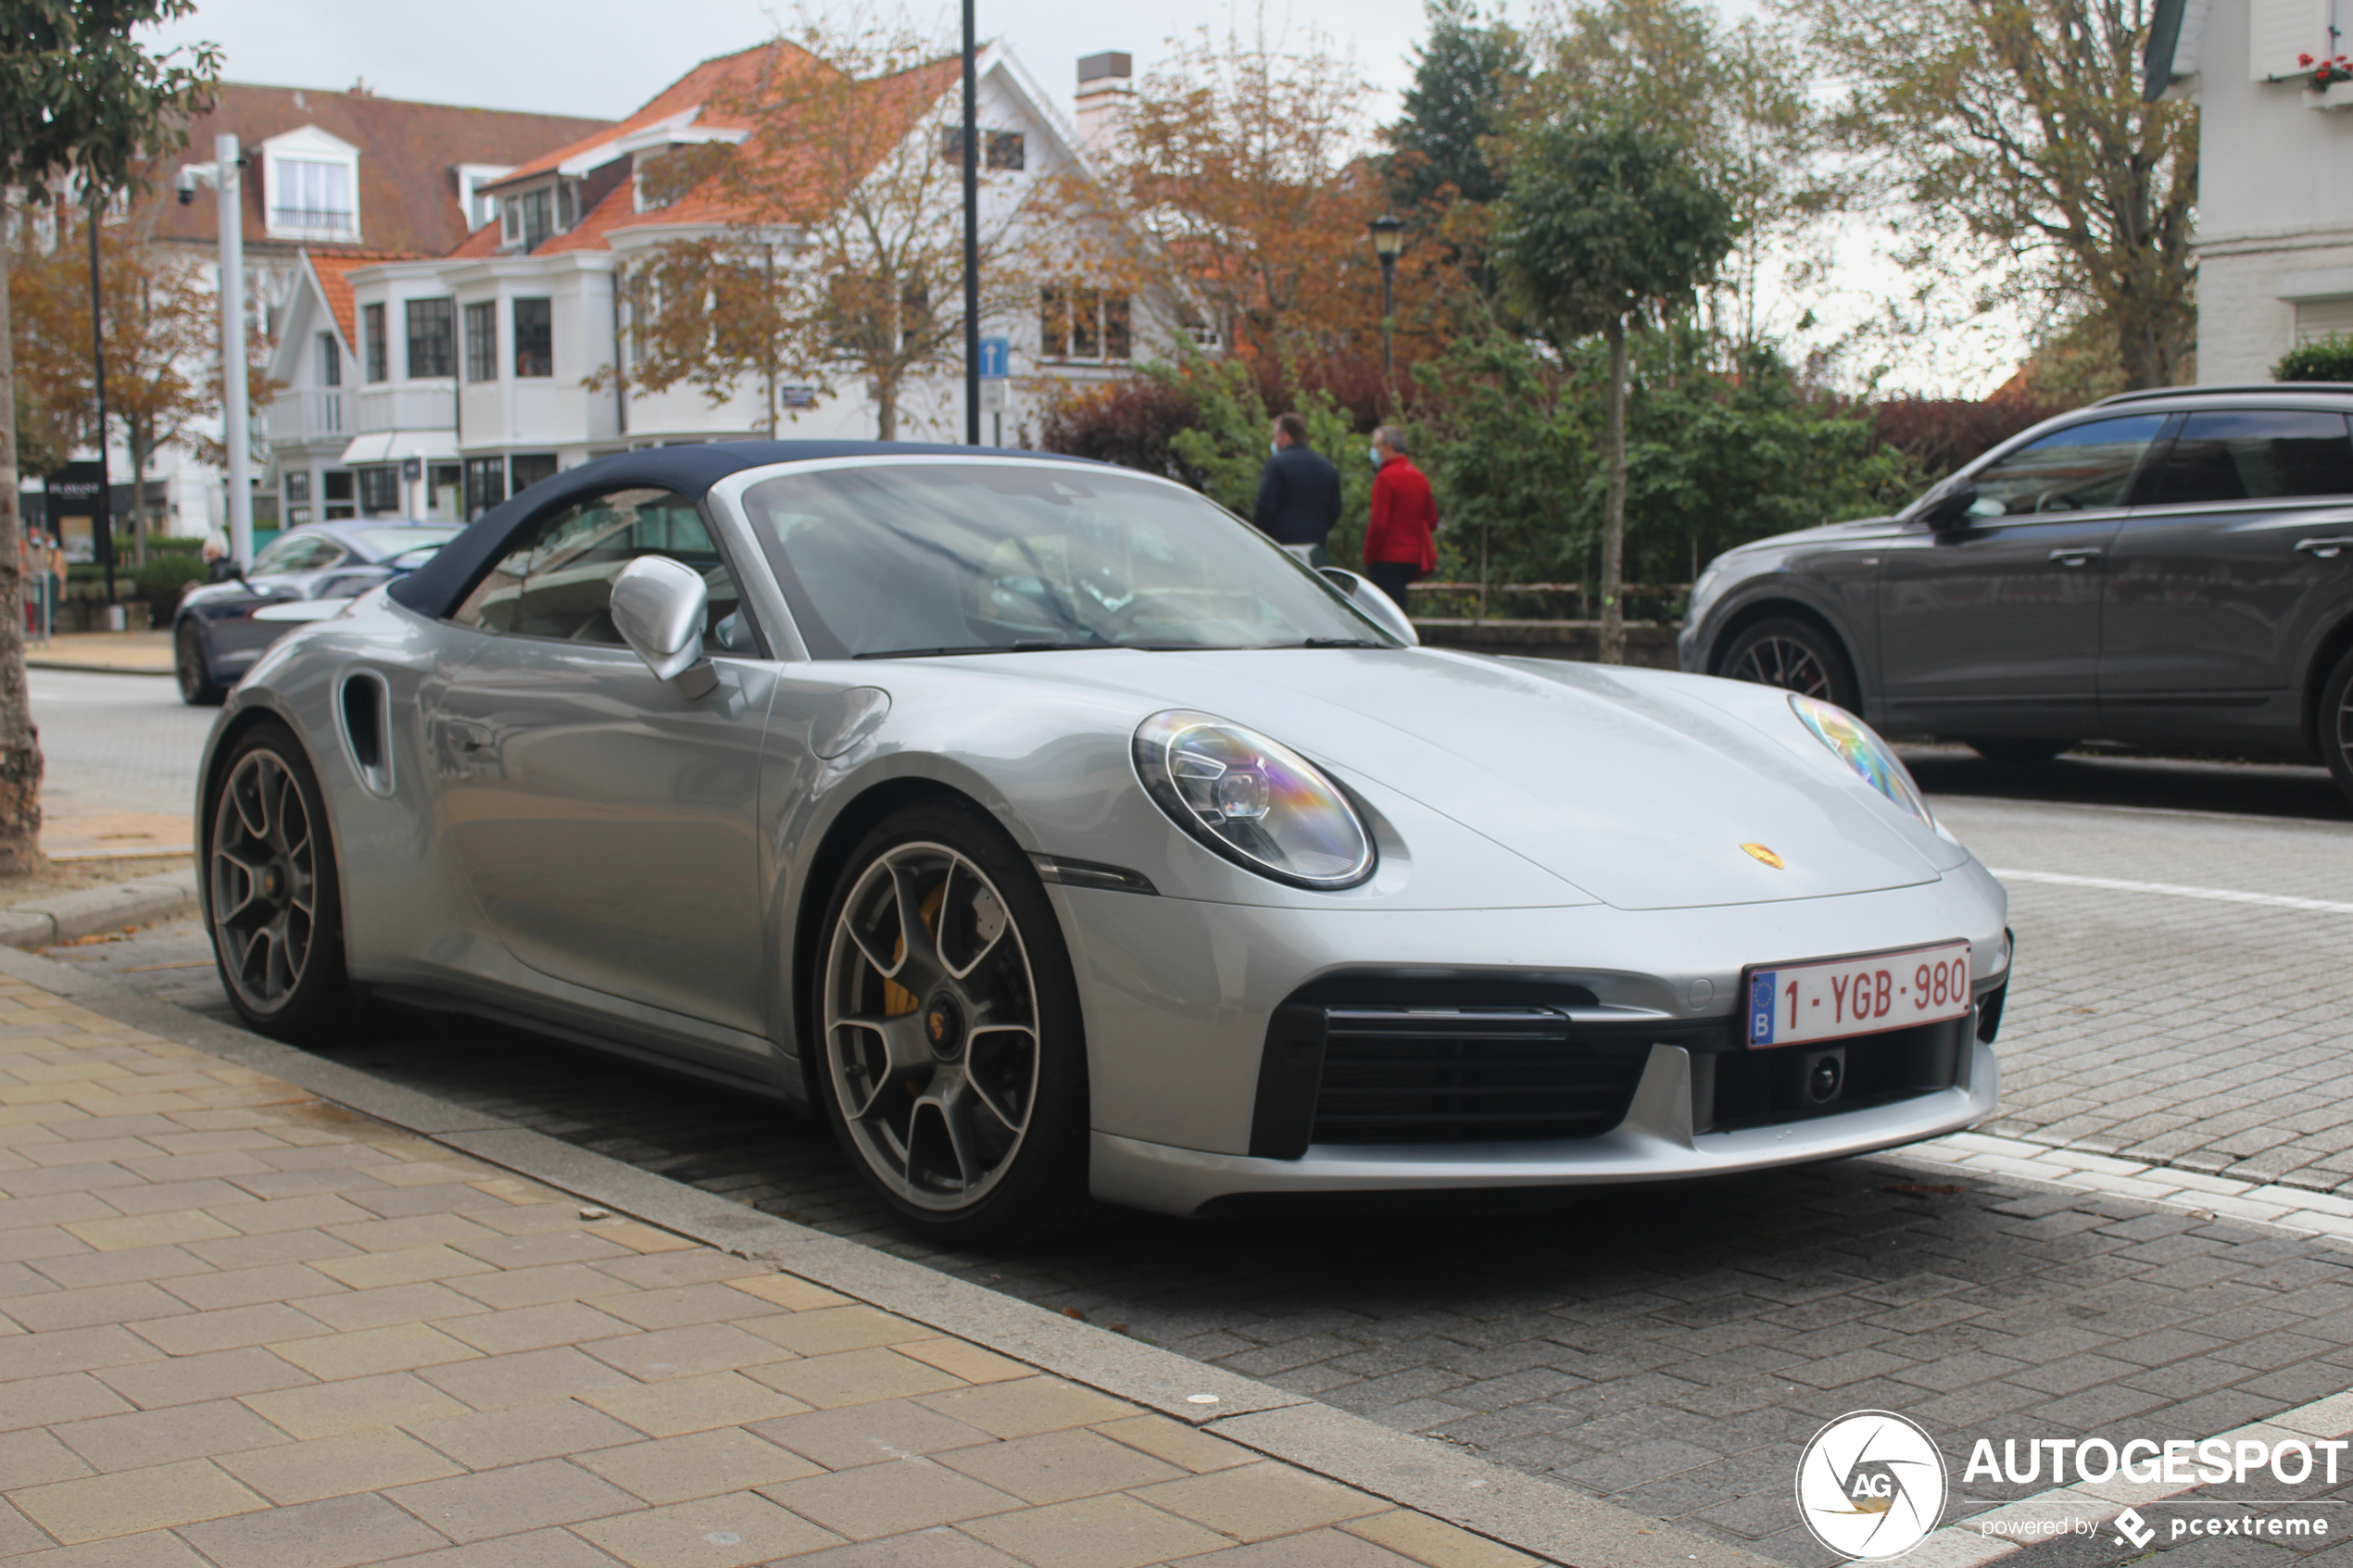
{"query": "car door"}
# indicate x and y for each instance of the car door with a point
(2241, 552)
(282, 572)
(605, 824)
(1991, 625)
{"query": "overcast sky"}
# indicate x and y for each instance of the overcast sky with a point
(605, 57)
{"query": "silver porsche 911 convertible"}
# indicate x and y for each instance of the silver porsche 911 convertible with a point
(1059, 840)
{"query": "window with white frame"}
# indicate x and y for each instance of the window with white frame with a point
(310, 185)
(1084, 323)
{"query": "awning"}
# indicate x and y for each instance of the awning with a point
(392, 445)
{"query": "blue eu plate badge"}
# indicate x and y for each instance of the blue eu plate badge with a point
(1760, 1006)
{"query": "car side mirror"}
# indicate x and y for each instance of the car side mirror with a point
(658, 607)
(1374, 603)
(1947, 504)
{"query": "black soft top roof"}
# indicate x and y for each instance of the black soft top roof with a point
(441, 584)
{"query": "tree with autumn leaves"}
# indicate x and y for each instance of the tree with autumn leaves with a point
(161, 321)
(82, 104)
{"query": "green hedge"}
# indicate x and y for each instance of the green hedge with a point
(2327, 358)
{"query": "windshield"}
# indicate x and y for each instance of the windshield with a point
(1001, 557)
(385, 540)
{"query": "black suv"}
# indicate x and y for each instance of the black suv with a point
(2166, 568)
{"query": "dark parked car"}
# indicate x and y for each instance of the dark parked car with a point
(2164, 567)
(304, 573)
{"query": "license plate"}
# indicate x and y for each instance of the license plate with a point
(1794, 1004)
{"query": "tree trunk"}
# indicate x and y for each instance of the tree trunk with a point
(20, 742)
(136, 430)
(1614, 508)
(885, 408)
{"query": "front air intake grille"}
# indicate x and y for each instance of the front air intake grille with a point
(1400, 1075)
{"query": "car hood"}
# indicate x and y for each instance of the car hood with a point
(1639, 787)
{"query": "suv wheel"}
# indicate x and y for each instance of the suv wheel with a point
(2336, 723)
(1797, 656)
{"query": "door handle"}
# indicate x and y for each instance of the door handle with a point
(2326, 550)
(2075, 557)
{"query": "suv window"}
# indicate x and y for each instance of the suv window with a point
(2079, 469)
(559, 583)
(2257, 453)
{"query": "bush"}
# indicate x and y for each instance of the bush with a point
(1129, 421)
(2327, 358)
(165, 578)
(1941, 434)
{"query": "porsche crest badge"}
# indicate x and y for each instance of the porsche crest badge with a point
(1758, 851)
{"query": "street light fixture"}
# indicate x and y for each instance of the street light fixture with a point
(221, 174)
(1388, 242)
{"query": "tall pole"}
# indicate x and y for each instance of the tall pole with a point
(1389, 324)
(972, 234)
(232, 348)
(102, 523)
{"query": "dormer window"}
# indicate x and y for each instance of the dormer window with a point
(529, 217)
(480, 207)
(311, 186)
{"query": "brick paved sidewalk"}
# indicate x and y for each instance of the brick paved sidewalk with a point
(242, 1328)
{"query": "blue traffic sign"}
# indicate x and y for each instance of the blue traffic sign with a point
(996, 358)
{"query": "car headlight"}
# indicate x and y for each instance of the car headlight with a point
(1854, 745)
(1258, 803)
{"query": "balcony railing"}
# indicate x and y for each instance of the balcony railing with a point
(308, 416)
(315, 219)
(423, 406)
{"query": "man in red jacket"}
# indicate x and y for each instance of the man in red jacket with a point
(1398, 546)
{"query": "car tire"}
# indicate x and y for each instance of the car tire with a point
(2336, 723)
(960, 1094)
(197, 688)
(273, 894)
(1795, 656)
(2018, 749)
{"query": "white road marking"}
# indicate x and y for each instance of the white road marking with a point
(2176, 890)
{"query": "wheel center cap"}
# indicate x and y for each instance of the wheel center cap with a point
(944, 1026)
(274, 881)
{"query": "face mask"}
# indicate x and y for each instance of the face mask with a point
(1374, 453)
(1275, 448)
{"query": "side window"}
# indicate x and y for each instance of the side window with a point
(2256, 455)
(2079, 469)
(298, 552)
(559, 583)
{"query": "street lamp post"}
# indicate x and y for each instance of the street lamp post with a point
(972, 234)
(223, 175)
(1388, 241)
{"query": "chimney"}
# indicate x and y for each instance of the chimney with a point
(1105, 92)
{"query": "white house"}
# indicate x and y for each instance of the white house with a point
(2275, 171)
(461, 379)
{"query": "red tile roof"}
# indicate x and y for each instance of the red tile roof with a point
(408, 154)
(892, 106)
(333, 268)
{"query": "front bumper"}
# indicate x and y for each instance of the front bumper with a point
(1179, 998)
(1655, 1143)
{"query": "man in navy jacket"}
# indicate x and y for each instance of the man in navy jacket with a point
(1298, 494)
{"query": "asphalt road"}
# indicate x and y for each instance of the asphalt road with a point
(2181, 986)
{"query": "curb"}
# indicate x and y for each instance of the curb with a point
(90, 667)
(1422, 1474)
(61, 917)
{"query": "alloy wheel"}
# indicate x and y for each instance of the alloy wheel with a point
(264, 881)
(1784, 662)
(931, 1026)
